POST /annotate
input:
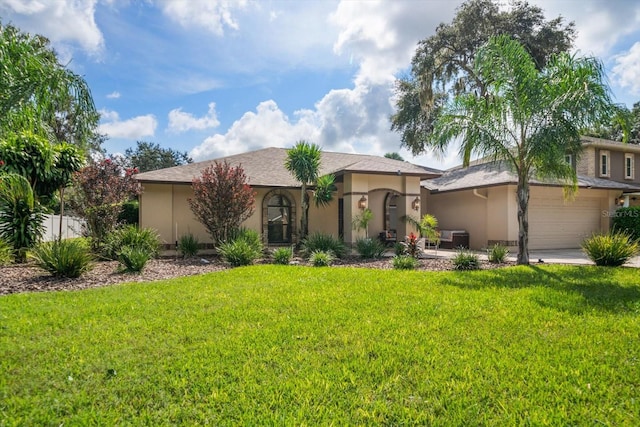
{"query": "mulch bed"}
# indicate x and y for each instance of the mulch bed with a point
(29, 278)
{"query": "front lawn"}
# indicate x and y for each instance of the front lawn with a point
(284, 345)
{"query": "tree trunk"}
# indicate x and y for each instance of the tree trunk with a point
(523, 221)
(304, 217)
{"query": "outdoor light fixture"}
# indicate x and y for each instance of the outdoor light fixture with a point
(416, 203)
(362, 203)
(620, 201)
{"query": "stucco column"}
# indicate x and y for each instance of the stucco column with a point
(355, 188)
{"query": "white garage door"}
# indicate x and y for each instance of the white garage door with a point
(558, 224)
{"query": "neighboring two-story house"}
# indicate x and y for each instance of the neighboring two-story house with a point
(481, 199)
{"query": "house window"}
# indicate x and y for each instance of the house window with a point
(604, 164)
(629, 167)
(568, 158)
(278, 217)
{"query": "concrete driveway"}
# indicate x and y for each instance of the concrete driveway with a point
(551, 256)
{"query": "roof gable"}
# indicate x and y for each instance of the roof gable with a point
(498, 173)
(265, 167)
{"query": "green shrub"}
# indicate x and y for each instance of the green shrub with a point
(627, 220)
(399, 248)
(129, 213)
(145, 239)
(465, 260)
(370, 248)
(324, 243)
(282, 255)
(63, 258)
(321, 258)
(610, 249)
(497, 254)
(247, 234)
(134, 258)
(188, 245)
(404, 262)
(239, 252)
(6, 253)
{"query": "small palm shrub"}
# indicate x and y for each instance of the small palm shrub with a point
(610, 250)
(282, 256)
(323, 242)
(497, 254)
(239, 252)
(133, 258)
(404, 262)
(63, 258)
(188, 245)
(465, 260)
(6, 253)
(370, 248)
(321, 258)
(145, 239)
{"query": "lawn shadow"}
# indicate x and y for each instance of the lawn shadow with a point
(597, 287)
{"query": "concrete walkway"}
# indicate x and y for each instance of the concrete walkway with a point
(551, 256)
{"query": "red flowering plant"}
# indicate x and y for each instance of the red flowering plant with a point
(102, 188)
(411, 245)
(222, 200)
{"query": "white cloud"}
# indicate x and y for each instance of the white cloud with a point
(267, 127)
(600, 23)
(66, 23)
(136, 127)
(212, 15)
(114, 95)
(626, 72)
(346, 120)
(383, 36)
(180, 121)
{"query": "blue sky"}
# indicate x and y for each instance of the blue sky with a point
(220, 77)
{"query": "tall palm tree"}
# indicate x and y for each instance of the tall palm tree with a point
(38, 89)
(303, 161)
(528, 118)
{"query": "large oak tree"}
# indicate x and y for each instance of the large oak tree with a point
(442, 66)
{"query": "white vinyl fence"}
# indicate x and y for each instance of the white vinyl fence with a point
(71, 227)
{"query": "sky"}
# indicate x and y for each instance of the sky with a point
(219, 77)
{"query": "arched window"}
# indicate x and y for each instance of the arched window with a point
(278, 217)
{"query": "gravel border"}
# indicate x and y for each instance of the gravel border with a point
(29, 278)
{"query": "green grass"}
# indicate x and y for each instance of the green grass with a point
(284, 345)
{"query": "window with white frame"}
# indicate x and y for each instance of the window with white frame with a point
(568, 158)
(604, 163)
(629, 166)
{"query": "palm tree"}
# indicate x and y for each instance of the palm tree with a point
(39, 92)
(394, 156)
(303, 161)
(528, 118)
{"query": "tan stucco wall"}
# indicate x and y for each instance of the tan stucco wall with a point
(164, 207)
(375, 189)
(495, 218)
(460, 210)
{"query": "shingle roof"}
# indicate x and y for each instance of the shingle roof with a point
(266, 168)
(609, 144)
(497, 173)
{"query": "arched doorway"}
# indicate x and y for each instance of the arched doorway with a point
(278, 217)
